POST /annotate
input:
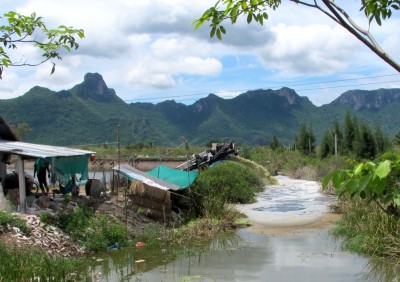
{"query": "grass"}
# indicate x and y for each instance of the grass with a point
(12, 220)
(94, 231)
(368, 230)
(34, 265)
(131, 151)
(195, 232)
(295, 164)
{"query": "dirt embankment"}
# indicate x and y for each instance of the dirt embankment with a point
(52, 240)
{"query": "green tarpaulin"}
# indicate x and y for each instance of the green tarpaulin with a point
(178, 177)
(67, 167)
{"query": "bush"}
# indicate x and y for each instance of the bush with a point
(96, 232)
(102, 233)
(217, 187)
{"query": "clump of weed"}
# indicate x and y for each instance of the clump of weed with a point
(368, 230)
(12, 220)
(34, 265)
(93, 230)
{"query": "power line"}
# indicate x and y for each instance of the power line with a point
(276, 87)
(349, 85)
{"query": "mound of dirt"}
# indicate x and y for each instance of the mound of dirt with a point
(45, 237)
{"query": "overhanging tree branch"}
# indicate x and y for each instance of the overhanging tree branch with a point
(257, 10)
(359, 33)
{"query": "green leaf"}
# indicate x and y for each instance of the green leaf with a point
(18, 31)
(358, 169)
(352, 187)
(364, 182)
(388, 199)
(378, 20)
(219, 36)
(327, 179)
(199, 23)
(338, 179)
(383, 169)
(212, 33)
(249, 17)
(379, 185)
(5, 62)
(222, 29)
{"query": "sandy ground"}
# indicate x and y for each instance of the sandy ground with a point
(289, 207)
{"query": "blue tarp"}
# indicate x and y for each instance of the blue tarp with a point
(181, 178)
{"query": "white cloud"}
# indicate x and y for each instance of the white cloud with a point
(148, 46)
(317, 49)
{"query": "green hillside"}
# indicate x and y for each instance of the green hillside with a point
(90, 112)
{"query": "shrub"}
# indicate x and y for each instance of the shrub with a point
(101, 233)
(96, 232)
(219, 186)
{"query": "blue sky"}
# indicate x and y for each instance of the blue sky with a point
(148, 51)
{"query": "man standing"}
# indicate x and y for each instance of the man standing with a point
(41, 167)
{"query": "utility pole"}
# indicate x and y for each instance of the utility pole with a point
(335, 144)
(118, 157)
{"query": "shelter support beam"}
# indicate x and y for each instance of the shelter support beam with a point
(22, 188)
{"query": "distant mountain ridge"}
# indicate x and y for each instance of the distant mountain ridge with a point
(89, 113)
(371, 100)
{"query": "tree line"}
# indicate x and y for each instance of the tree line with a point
(353, 137)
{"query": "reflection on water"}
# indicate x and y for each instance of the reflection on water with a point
(311, 255)
(306, 255)
(382, 270)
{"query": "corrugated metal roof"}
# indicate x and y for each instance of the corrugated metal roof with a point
(5, 131)
(31, 150)
(145, 178)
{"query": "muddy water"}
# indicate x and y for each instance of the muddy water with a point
(289, 241)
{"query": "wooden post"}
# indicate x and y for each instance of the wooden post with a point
(21, 181)
(335, 144)
(119, 159)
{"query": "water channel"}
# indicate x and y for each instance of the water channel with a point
(290, 240)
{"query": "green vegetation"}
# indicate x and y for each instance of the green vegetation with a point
(95, 231)
(257, 11)
(356, 139)
(305, 140)
(368, 230)
(373, 182)
(12, 220)
(34, 265)
(140, 150)
(24, 31)
(226, 183)
(295, 164)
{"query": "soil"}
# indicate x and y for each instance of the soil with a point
(52, 240)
